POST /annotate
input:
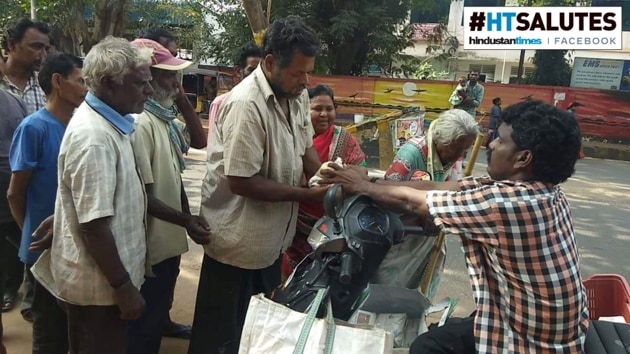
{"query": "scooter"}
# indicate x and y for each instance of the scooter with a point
(349, 243)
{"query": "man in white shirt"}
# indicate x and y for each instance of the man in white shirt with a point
(96, 263)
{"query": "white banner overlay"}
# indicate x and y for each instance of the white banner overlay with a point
(564, 28)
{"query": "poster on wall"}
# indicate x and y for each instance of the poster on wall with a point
(604, 74)
(406, 129)
(625, 76)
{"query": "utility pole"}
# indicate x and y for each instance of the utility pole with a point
(33, 10)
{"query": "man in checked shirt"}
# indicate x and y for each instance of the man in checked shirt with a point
(517, 234)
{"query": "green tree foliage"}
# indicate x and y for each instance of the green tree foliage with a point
(552, 67)
(354, 33)
(78, 24)
(426, 71)
(227, 32)
(184, 18)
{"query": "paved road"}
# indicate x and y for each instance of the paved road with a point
(600, 198)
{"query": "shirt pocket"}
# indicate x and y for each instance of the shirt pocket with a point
(301, 137)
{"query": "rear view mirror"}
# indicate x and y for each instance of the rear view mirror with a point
(333, 202)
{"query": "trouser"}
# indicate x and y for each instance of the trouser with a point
(95, 329)
(3, 246)
(13, 268)
(50, 323)
(170, 306)
(145, 333)
(456, 336)
(222, 300)
(28, 287)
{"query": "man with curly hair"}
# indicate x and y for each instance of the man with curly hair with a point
(262, 145)
(517, 234)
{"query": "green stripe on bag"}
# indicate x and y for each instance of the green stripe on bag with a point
(310, 320)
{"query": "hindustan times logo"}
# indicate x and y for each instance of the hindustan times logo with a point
(563, 28)
(505, 41)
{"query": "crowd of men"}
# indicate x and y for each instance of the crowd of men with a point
(93, 150)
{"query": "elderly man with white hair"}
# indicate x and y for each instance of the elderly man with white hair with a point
(96, 263)
(159, 144)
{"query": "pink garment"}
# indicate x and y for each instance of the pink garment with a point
(214, 112)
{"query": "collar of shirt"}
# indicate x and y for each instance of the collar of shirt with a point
(263, 83)
(122, 123)
(31, 82)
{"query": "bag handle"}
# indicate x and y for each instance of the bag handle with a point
(310, 319)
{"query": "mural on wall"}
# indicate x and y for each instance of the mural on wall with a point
(605, 115)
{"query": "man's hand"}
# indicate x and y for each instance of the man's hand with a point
(198, 230)
(316, 194)
(352, 178)
(44, 233)
(360, 169)
(130, 301)
(181, 95)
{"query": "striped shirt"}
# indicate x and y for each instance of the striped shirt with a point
(253, 136)
(523, 264)
(97, 179)
(33, 96)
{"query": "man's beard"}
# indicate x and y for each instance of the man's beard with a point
(165, 97)
(277, 88)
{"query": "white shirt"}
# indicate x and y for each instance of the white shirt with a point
(97, 179)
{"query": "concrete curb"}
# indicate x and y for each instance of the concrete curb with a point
(606, 151)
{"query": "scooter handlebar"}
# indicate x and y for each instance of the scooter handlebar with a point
(345, 275)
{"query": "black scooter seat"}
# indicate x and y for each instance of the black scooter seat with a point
(605, 337)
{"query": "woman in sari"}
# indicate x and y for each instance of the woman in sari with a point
(331, 142)
(438, 154)
(440, 151)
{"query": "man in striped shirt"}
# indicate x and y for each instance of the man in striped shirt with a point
(26, 43)
(517, 234)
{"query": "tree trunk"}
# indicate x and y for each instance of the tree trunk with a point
(66, 42)
(109, 20)
(256, 18)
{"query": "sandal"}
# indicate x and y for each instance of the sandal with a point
(177, 330)
(8, 302)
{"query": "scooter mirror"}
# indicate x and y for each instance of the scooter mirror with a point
(333, 202)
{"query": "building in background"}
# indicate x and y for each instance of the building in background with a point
(493, 65)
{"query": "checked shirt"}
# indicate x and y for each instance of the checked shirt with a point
(522, 261)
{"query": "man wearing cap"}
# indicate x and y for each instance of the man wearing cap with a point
(158, 146)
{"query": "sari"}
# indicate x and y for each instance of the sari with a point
(417, 154)
(334, 142)
(421, 154)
